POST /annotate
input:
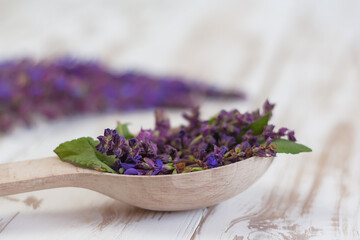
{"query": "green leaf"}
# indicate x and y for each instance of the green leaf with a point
(212, 120)
(258, 126)
(82, 152)
(123, 130)
(108, 160)
(287, 146)
(196, 140)
(194, 169)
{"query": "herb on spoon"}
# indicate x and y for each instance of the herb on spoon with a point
(228, 137)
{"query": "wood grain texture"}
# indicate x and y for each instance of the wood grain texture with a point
(161, 193)
(303, 55)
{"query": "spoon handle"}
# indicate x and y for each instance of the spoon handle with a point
(32, 175)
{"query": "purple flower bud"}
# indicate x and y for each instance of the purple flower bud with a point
(107, 132)
(66, 86)
(282, 131)
(159, 165)
(150, 162)
(268, 106)
(131, 171)
(223, 150)
(291, 136)
(228, 141)
(260, 152)
(193, 118)
(145, 135)
(5, 91)
(162, 123)
(268, 141)
(182, 133)
(212, 162)
(102, 139)
(244, 145)
(132, 142)
(127, 165)
(100, 148)
(114, 132)
(196, 146)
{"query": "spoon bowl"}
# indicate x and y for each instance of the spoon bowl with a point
(161, 193)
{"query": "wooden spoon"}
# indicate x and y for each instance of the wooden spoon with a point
(164, 193)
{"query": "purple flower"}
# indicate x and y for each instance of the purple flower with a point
(249, 137)
(131, 171)
(150, 162)
(227, 141)
(5, 91)
(291, 136)
(199, 145)
(162, 123)
(269, 132)
(212, 162)
(242, 146)
(145, 135)
(127, 166)
(268, 107)
(67, 86)
(193, 118)
(268, 141)
(282, 131)
(159, 165)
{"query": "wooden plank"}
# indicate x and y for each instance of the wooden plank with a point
(304, 55)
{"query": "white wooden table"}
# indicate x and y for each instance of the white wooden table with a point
(303, 55)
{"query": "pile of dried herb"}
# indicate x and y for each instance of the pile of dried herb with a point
(224, 139)
(65, 86)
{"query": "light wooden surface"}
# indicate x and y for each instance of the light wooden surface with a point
(303, 55)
